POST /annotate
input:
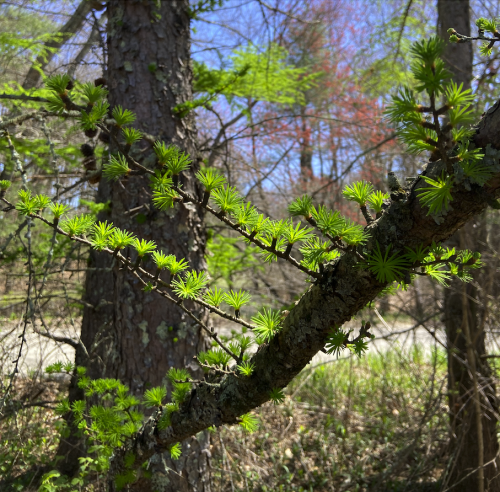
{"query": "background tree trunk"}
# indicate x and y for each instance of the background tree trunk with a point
(463, 308)
(130, 335)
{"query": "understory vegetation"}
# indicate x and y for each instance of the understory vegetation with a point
(378, 421)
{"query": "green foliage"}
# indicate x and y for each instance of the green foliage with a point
(175, 451)
(93, 93)
(246, 368)
(352, 234)
(301, 206)
(122, 116)
(163, 153)
(437, 196)
(214, 357)
(386, 268)
(154, 397)
(161, 182)
(170, 262)
(236, 299)
(358, 192)
(249, 422)
(78, 225)
(416, 255)
(166, 199)
(328, 222)
(58, 83)
(277, 396)
(116, 168)
(473, 165)
(90, 120)
(189, 286)
(267, 324)
(171, 157)
(316, 252)
(210, 179)
(143, 247)
(227, 199)
(246, 216)
(376, 200)
(100, 235)
(119, 239)
(428, 69)
(488, 25)
(437, 273)
(178, 378)
(5, 185)
(26, 204)
(335, 342)
(294, 234)
(131, 135)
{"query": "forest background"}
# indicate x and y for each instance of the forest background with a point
(289, 99)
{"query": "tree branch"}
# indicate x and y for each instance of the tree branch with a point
(330, 302)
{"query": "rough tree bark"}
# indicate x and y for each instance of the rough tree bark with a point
(330, 302)
(130, 335)
(464, 310)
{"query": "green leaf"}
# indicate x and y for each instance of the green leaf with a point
(249, 422)
(328, 222)
(293, 235)
(246, 216)
(277, 396)
(131, 135)
(456, 96)
(376, 200)
(143, 247)
(58, 209)
(189, 286)
(93, 93)
(78, 225)
(100, 235)
(335, 342)
(5, 185)
(215, 356)
(315, 252)
(301, 206)
(227, 199)
(171, 157)
(164, 200)
(416, 255)
(119, 239)
(488, 25)
(358, 192)
(122, 116)
(175, 451)
(58, 83)
(267, 324)
(441, 276)
(90, 120)
(27, 205)
(211, 179)
(246, 368)
(386, 268)
(437, 196)
(116, 168)
(236, 299)
(154, 397)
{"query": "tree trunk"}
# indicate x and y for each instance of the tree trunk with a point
(474, 439)
(130, 335)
